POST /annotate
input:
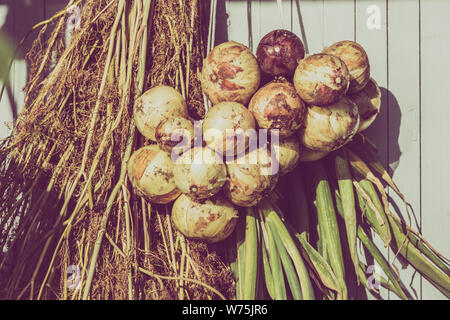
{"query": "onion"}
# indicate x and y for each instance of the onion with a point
(175, 135)
(368, 101)
(151, 173)
(225, 126)
(321, 79)
(356, 60)
(288, 154)
(278, 53)
(199, 173)
(278, 106)
(251, 177)
(308, 155)
(210, 220)
(328, 128)
(155, 105)
(230, 73)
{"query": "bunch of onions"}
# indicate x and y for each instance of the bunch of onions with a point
(150, 171)
(356, 60)
(321, 79)
(210, 220)
(251, 177)
(226, 126)
(288, 153)
(155, 105)
(368, 101)
(277, 106)
(175, 135)
(278, 53)
(327, 128)
(199, 173)
(230, 73)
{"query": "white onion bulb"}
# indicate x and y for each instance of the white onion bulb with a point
(210, 220)
(230, 73)
(150, 171)
(251, 177)
(225, 124)
(356, 60)
(175, 134)
(321, 79)
(155, 105)
(288, 153)
(277, 106)
(199, 173)
(327, 128)
(368, 101)
(308, 155)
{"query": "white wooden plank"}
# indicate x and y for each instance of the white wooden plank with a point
(370, 32)
(403, 114)
(338, 21)
(20, 74)
(254, 24)
(7, 28)
(435, 131)
(273, 17)
(308, 24)
(238, 29)
(19, 19)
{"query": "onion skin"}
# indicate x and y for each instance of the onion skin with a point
(175, 135)
(230, 73)
(199, 174)
(278, 106)
(356, 60)
(210, 220)
(251, 177)
(278, 53)
(308, 155)
(150, 171)
(155, 105)
(368, 101)
(327, 128)
(321, 79)
(288, 154)
(222, 122)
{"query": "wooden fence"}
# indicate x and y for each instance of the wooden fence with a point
(408, 43)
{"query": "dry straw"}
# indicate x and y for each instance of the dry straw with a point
(68, 205)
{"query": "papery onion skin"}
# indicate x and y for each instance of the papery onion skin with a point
(321, 79)
(308, 155)
(278, 53)
(368, 101)
(278, 106)
(199, 173)
(231, 116)
(356, 60)
(150, 171)
(288, 153)
(175, 134)
(155, 105)
(211, 220)
(230, 73)
(327, 128)
(251, 177)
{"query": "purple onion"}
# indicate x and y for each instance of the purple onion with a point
(278, 53)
